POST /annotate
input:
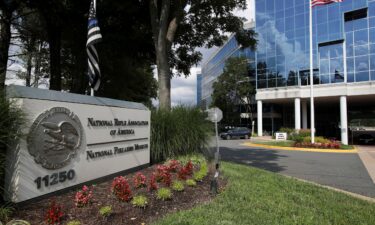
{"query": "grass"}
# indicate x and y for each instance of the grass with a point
(255, 196)
(276, 143)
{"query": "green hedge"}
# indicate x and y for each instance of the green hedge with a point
(295, 135)
(181, 131)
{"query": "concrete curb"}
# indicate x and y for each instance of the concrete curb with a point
(355, 195)
(249, 144)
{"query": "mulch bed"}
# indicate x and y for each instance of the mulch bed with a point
(123, 212)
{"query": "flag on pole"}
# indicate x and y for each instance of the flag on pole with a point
(93, 37)
(323, 2)
(312, 110)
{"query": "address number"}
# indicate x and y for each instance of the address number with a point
(55, 178)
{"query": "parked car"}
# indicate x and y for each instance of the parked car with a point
(238, 132)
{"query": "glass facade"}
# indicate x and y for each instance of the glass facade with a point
(214, 66)
(199, 89)
(343, 42)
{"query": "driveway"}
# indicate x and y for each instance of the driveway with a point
(343, 171)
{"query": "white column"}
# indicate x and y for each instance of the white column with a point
(297, 113)
(344, 120)
(260, 118)
(304, 114)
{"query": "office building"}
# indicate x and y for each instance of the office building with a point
(344, 64)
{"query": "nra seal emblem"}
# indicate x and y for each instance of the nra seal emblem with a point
(55, 138)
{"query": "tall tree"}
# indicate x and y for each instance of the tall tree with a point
(126, 52)
(31, 36)
(180, 26)
(234, 88)
(7, 8)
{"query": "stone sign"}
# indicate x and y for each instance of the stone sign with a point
(74, 139)
(281, 136)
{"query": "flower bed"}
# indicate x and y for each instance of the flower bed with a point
(118, 195)
(331, 145)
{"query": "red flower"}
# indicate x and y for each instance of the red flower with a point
(83, 197)
(121, 189)
(139, 180)
(54, 213)
(152, 184)
(173, 165)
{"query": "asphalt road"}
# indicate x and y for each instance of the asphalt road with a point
(343, 171)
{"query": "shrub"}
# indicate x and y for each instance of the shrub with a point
(105, 211)
(164, 194)
(178, 185)
(139, 180)
(298, 136)
(196, 159)
(317, 140)
(152, 185)
(180, 131)
(83, 197)
(287, 130)
(163, 174)
(140, 201)
(185, 171)
(160, 171)
(121, 189)
(191, 183)
(173, 165)
(201, 173)
(74, 222)
(5, 212)
(54, 213)
(18, 222)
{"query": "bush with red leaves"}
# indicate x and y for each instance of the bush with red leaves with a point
(163, 175)
(54, 213)
(173, 165)
(185, 171)
(139, 180)
(152, 185)
(83, 197)
(121, 189)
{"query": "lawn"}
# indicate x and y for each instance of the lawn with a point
(254, 196)
(276, 143)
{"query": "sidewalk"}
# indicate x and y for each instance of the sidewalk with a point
(367, 155)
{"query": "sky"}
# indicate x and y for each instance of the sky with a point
(184, 90)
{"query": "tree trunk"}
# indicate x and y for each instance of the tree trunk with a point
(54, 39)
(80, 79)
(164, 78)
(28, 69)
(159, 23)
(5, 36)
(38, 59)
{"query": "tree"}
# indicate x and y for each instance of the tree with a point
(32, 37)
(180, 26)
(7, 9)
(234, 89)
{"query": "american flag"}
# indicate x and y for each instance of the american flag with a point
(93, 37)
(323, 2)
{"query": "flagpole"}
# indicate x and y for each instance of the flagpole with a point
(312, 112)
(92, 89)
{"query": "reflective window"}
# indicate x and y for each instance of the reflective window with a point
(284, 47)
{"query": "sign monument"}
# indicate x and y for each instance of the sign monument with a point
(73, 140)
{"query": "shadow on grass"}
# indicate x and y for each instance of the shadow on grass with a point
(260, 158)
